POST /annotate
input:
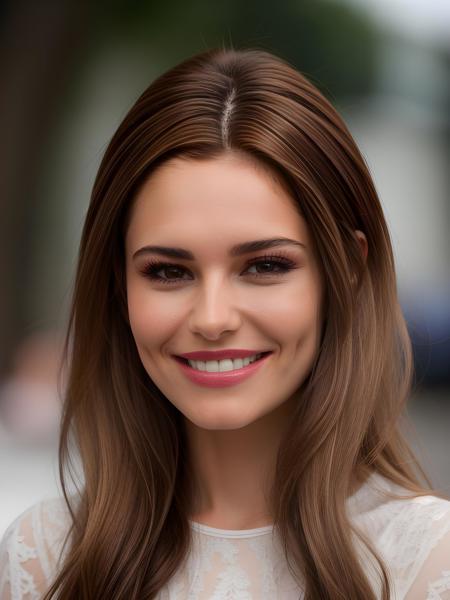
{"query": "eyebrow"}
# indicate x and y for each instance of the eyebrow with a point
(237, 250)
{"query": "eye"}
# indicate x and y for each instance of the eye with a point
(172, 272)
(272, 265)
(266, 267)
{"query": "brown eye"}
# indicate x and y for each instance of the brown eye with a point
(173, 273)
(272, 265)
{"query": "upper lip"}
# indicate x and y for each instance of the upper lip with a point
(220, 354)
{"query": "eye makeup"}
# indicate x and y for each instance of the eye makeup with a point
(282, 265)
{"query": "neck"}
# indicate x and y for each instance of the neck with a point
(234, 469)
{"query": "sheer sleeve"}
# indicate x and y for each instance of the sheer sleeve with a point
(412, 538)
(29, 551)
(433, 580)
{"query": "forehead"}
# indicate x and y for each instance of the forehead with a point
(222, 200)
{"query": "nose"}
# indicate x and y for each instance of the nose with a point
(214, 310)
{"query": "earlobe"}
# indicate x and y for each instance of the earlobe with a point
(362, 242)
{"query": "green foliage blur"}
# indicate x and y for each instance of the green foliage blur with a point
(333, 44)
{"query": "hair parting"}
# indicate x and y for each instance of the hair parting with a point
(226, 118)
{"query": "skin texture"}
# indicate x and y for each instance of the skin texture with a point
(218, 302)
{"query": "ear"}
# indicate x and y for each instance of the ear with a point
(362, 242)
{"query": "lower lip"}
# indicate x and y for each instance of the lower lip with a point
(221, 379)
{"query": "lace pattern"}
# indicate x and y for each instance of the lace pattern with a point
(230, 566)
(15, 580)
(405, 533)
(412, 537)
(438, 587)
(416, 536)
(30, 550)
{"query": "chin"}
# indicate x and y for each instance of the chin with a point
(220, 422)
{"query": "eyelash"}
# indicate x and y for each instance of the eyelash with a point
(151, 268)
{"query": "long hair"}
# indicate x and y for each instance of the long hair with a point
(130, 524)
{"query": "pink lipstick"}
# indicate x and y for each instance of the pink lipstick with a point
(225, 378)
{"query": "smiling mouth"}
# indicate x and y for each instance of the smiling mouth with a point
(185, 361)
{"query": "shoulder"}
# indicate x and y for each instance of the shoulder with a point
(412, 536)
(31, 549)
(417, 544)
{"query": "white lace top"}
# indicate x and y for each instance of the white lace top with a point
(412, 536)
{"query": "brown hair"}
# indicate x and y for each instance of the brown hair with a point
(130, 529)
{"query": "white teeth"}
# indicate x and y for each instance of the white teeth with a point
(219, 366)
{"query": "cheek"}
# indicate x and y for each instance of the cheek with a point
(298, 330)
(295, 316)
(152, 319)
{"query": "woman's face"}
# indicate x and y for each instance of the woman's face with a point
(262, 300)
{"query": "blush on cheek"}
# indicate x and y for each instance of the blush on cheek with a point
(154, 322)
(145, 316)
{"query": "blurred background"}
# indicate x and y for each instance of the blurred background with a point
(70, 72)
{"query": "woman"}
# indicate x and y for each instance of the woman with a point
(238, 364)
